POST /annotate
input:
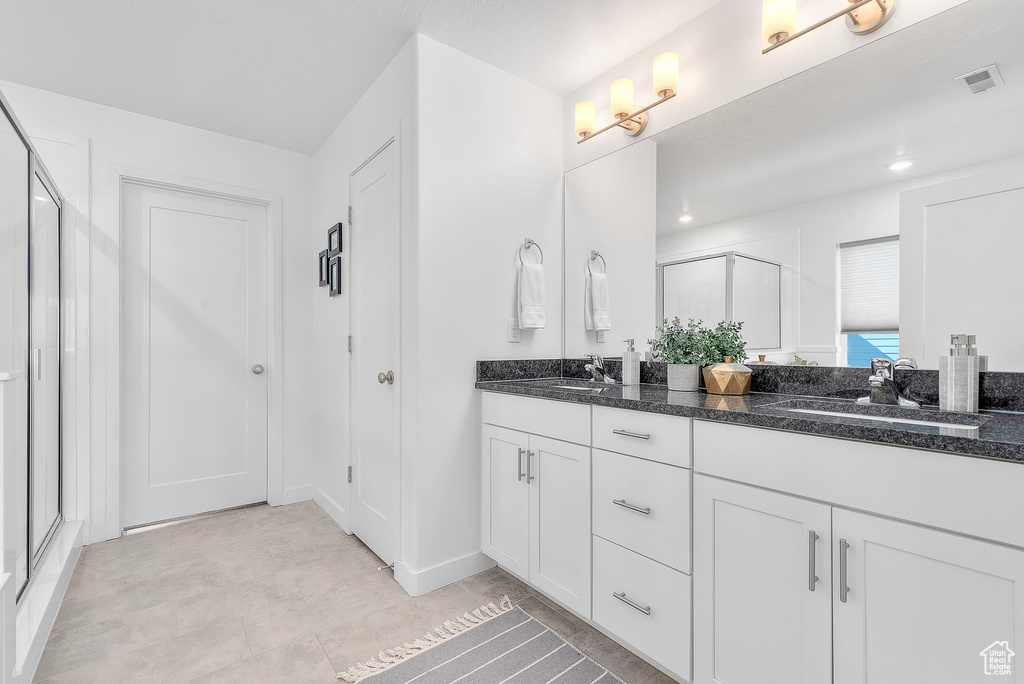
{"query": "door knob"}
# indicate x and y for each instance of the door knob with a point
(388, 377)
(257, 369)
(381, 378)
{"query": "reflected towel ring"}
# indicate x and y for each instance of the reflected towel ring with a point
(594, 254)
(528, 243)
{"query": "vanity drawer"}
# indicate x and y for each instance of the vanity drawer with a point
(652, 436)
(664, 635)
(663, 532)
(556, 419)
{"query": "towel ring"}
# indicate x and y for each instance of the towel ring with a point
(528, 243)
(594, 254)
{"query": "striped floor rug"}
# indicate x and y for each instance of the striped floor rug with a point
(494, 644)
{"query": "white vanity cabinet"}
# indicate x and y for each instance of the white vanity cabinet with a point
(536, 494)
(762, 586)
(893, 601)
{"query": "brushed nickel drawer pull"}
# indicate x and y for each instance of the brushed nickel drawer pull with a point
(646, 610)
(843, 589)
(521, 473)
(627, 433)
(622, 502)
(530, 477)
(812, 578)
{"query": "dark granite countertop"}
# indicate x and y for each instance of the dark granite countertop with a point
(989, 434)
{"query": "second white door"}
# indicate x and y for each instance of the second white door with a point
(194, 356)
(376, 375)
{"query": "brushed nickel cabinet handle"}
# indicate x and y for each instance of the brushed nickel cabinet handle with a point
(529, 468)
(624, 504)
(646, 610)
(627, 433)
(843, 589)
(520, 469)
(812, 578)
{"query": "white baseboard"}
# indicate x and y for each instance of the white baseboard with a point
(332, 508)
(425, 581)
(38, 608)
(296, 494)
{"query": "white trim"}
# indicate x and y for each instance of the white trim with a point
(117, 176)
(417, 583)
(38, 608)
(332, 508)
(295, 495)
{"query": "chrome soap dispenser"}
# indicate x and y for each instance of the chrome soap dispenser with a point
(959, 375)
(630, 364)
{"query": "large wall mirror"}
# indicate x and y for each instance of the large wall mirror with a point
(845, 258)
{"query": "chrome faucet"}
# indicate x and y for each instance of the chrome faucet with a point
(884, 389)
(597, 371)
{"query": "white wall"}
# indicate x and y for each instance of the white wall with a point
(611, 206)
(720, 61)
(805, 238)
(124, 139)
(490, 175)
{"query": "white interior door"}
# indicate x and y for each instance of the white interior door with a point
(376, 376)
(194, 353)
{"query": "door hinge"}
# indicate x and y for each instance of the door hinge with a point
(350, 343)
(350, 217)
(350, 473)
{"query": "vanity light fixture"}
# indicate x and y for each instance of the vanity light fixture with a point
(900, 164)
(685, 218)
(633, 123)
(778, 19)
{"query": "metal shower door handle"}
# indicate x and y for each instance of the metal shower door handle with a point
(257, 369)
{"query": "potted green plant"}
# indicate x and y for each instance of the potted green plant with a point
(728, 350)
(685, 348)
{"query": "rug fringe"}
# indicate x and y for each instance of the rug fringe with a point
(392, 656)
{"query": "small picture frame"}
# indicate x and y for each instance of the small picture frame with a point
(334, 275)
(334, 240)
(325, 270)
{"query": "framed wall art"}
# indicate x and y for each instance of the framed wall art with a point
(334, 240)
(325, 262)
(334, 275)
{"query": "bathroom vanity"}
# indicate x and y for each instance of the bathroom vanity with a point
(762, 538)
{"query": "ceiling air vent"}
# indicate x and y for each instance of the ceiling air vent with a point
(981, 80)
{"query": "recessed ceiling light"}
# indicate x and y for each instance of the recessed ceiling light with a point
(685, 218)
(900, 164)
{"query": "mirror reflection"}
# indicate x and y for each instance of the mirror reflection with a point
(869, 207)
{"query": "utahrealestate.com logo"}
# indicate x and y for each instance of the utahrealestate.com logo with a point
(998, 659)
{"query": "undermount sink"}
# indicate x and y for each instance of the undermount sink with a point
(884, 419)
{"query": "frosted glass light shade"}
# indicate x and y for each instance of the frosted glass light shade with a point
(622, 98)
(586, 118)
(666, 73)
(778, 19)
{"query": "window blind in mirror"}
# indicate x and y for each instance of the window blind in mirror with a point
(869, 289)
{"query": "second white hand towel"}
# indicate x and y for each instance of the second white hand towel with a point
(531, 297)
(597, 308)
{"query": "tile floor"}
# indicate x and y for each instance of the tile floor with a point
(263, 594)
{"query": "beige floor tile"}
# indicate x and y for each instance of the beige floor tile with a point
(85, 610)
(559, 621)
(491, 585)
(300, 662)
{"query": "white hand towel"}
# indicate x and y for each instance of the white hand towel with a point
(531, 297)
(597, 308)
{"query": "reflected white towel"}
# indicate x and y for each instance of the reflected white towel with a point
(597, 308)
(531, 297)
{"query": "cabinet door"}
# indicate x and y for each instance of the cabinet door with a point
(560, 521)
(759, 617)
(923, 605)
(505, 500)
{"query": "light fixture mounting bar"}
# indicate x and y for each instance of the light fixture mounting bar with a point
(622, 121)
(847, 11)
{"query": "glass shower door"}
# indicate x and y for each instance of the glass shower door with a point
(14, 210)
(45, 365)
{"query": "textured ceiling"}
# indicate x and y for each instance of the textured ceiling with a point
(286, 72)
(832, 129)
